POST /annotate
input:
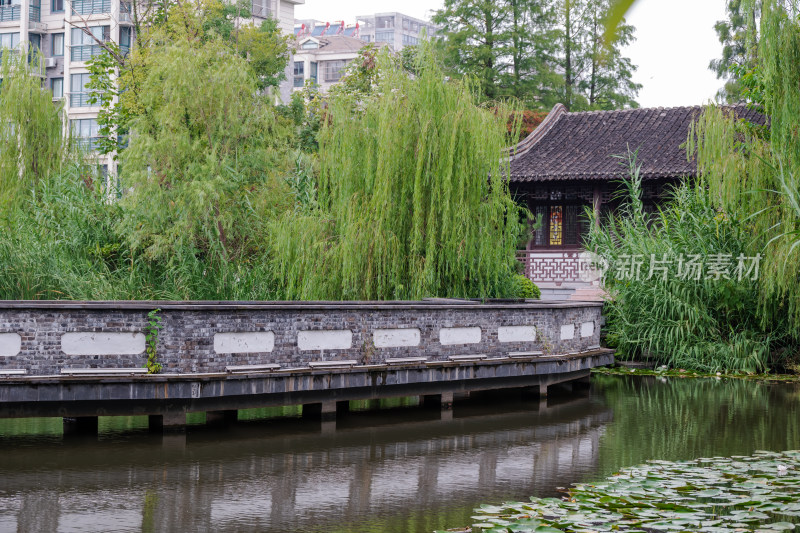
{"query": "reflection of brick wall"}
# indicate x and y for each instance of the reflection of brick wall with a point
(551, 267)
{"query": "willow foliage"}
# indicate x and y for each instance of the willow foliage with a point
(203, 163)
(32, 143)
(412, 200)
(753, 174)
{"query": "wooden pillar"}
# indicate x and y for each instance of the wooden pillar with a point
(168, 421)
(325, 411)
(597, 202)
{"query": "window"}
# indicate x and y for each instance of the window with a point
(333, 70)
(35, 11)
(91, 7)
(125, 39)
(78, 93)
(9, 40)
(36, 41)
(310, 45)
(57, 86)
(58, 45)
(261, 8)
(366, 38)
(57, 6)
(384, 37)
(299, 73)
(84, 46)
(86, 132)
(563, 225)
(384, 22)
(10, 10)
(409, 40)
(314, 72)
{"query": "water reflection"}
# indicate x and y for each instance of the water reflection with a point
(400, 470)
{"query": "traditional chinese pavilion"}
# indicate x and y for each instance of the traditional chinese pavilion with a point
(573, 161)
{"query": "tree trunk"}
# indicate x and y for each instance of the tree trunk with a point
(567, 56)
(596, 36)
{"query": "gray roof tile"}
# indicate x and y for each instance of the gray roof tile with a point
(584, 145)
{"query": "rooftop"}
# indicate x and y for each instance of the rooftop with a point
(333, 44)
(586, 145)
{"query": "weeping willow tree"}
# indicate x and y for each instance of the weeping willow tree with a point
(754, 173)
(411, 201)
(32, 143)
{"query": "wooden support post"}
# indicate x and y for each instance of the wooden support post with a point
(543, 390)
(597, 202)
(320, 411)
(447, 400)
(168, 421)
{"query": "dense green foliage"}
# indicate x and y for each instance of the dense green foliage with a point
(216, 198)
(541, 51)
(753, 175)
(412, 200)
(666, 303)
(32, 145)
(744, 205)
(739, 38)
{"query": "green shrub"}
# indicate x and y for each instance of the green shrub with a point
(704, 322)
(525, 288)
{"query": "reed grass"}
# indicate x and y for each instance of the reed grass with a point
(689, 322)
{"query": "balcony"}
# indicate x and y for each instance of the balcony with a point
(81, 100)
(88, 144)
(10, 13)
(90, 7)
(125, 14)
(84, 52)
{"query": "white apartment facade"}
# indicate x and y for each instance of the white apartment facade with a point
(55, 27)
(395, 29)
(323, 60)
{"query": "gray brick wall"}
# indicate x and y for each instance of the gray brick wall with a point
(186, 340)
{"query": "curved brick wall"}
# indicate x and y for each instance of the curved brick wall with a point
(43, 338)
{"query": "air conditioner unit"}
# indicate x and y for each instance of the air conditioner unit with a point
(50, 62)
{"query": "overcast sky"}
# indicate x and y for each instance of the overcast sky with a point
(675, 41)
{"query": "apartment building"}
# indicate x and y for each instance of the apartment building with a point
(323, 60)
(55, 27)
(396, 29)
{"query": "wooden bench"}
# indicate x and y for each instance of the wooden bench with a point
(405, 360)
(515, 355)
(102, 371)
(469, 357)
(333, 364)
(243, 369)
(13, 372)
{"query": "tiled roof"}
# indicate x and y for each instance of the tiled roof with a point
(334, 44)
(583, 145)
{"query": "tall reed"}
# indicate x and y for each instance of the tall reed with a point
(662, 310)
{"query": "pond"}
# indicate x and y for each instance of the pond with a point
(398, 469)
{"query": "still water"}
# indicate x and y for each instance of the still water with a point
(400, 469)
